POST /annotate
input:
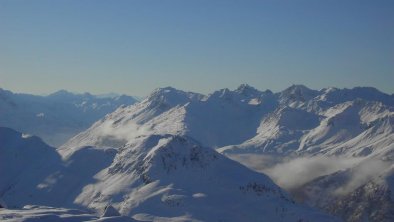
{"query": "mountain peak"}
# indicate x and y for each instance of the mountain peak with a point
(367, 90)
(174, 151)
(171, 96)
(247, 90)
(243, 93)
(365, 93)
(61, 92)
(63, 95)
(244, 86)
(297, 88)
(298, 93)
(166, 89)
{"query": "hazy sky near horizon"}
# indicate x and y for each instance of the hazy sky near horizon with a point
(134, 46)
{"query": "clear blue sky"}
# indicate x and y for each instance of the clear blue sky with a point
(135, 46)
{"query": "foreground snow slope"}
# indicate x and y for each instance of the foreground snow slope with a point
(33, 213)
(58, 116)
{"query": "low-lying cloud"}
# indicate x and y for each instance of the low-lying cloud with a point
(363, 173)
(293, 173)
(297, 172)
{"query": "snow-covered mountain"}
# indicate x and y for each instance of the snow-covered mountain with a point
(175, 177)
(155, 177)
(153, 161)
(19, 152)
(354, 129)
(297, 122)
(279, 132)
(34, 173)
(232, 117)
(58, 116)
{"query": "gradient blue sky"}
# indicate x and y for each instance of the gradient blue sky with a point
(133, 47)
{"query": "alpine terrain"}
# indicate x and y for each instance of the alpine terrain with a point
(56, 117)
(184, 156)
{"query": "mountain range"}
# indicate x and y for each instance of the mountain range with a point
(167, 158)
(56, 117)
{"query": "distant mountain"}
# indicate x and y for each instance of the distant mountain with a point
(58, 116)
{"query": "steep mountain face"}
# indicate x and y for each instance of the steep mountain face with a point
(56, 117)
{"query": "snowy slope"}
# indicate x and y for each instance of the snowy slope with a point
(279, 132)
(353, 128)
(55, 117)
